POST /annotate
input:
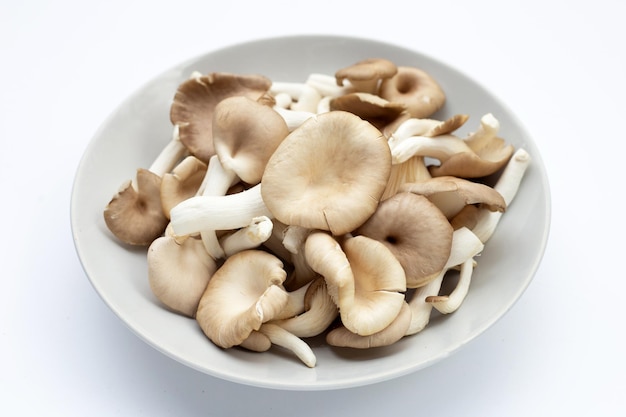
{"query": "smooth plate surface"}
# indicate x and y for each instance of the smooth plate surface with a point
(137, 130)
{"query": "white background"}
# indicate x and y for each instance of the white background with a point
(559, 65)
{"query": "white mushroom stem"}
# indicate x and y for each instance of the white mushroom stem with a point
(327, 86)
(324, 105)
(216, 182)
(304, 96)
(283, 100)
(507, 185)
(283, 338)
(412, 127)
(173, 152)
(226, 212)
(249, 237)
(440, 147)
(447, 304)
(488, 129)
(293, 118)
(465, 245)
(294, 238)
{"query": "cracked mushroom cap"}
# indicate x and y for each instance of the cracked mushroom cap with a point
(415, 231)
(178, 273)
(365, 75)
(245, 135)
(245, 292)
(135, 215)
(195, 100)
(328, 174)
(416, 89)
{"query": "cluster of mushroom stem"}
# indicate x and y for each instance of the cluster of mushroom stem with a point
(337, 206)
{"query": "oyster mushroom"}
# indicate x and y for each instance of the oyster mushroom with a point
(364, 279)
(416, 89)
(196, 98)
(452, 194)
(415, 231)
(178, 273)
(366, 75)
(182, 182)
(245, 292)
(465, 246)
(339, 188)
(135, 214)
(370, 107)
(342, 337)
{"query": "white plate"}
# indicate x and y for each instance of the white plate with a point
(137, 130)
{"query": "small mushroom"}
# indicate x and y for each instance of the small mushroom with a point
(465, 246)
(508, 183)
(319, 311)
(370, 107)
(339, 188)
(364, 279)
(416, 89)
(245, 292)
(178, 273)
(135, 214)
(366, 75)
(415, 231)
(447, 304)
(248, 237)
(182, 182)
(195, 100)
(452, 194)
(281, 337)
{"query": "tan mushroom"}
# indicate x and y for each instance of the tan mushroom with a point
(178, 273)
(319, 311)
(370, 107)
(135, 214)
(366, 75)
(416, 89)
(182, 182)
(452, 194)
(195, 100)
(465, 246)
(339, 188)
(416, 232)
(342, 337)
(364, 279)
(245, 292)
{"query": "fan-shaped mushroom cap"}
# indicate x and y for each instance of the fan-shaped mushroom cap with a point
(178, 273)
(328, 174)
(451, 194)
(365, 75)
(245, 135)
(182, 183)
(370, 107)
(135, 216)
(363, 277)
(415, 231)
(416, 89)
(245, 292)
(195, 100)
(342, 337)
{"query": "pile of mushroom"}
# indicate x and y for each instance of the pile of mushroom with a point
(337, 206)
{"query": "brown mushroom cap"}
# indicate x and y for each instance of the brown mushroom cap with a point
(328, 174)
(416, 89)
(178, 273)
(195, 99)
(415, 231)
(365, 75)
(182, 183)
(245, 135)
(370, 107)
(245, 292)
(135, 216)
(451, 194)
